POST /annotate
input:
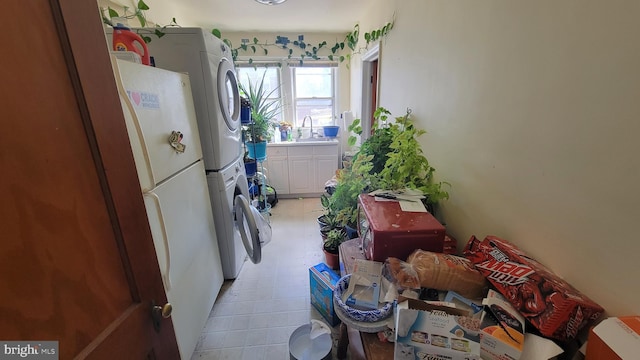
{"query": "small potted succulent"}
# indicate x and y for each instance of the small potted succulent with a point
(331, 247)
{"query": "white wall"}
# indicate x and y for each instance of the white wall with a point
(533, 115)
(343, 90)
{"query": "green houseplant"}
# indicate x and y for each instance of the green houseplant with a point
(391, 158)
(264, 109)
(331, 247)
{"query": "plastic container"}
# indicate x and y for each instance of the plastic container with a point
(302, 347)
(331, 131)
(125, 40)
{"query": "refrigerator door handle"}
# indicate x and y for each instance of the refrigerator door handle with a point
(124, 98)
(165, 240)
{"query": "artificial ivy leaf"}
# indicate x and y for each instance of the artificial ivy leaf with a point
(255, 40)
(265, 51)
(290, 51)
(308, 53)
(142, 5)
(367, 37)
(146, 39)
(295, 42)
(228, 42)
(253, 48)
(113, 13)
(216, 33)
(341, 58)
(330, 57)
(173, 21)
(159, 33)
(303, 45)
(250, 61)
(243, 47)
(141, 19)
(301, 63)
(341, 46)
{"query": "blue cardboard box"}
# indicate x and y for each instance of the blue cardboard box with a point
(322, 282)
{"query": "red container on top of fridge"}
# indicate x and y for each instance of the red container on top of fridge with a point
(552, 305)
(387, 231)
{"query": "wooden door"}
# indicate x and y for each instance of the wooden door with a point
(77, 263)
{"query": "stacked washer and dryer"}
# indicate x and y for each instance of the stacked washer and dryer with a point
(209, 64)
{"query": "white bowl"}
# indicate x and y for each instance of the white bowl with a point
(356, 314)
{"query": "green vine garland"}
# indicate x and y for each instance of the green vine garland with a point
(297, 49)
(300, 50)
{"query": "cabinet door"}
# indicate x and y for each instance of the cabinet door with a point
(301, 175)
(278, 174)
(325, 166)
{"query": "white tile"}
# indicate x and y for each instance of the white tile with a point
(278, 351)
(206, 355)
(213, 340)
(279, 335)
(256, 337)
(240, 322)
(259, 321)
(234, 338)
(217, 324)
(231, 354)
(255, 353)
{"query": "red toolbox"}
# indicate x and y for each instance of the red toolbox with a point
(387, 231)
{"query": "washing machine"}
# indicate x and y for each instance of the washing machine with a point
(235, 219)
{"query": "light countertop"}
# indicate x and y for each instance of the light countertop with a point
(307, 142)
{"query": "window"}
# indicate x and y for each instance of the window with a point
(313, 93)
(254, 75)
(304, 91)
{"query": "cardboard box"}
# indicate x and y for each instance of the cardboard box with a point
(322, 282)
(615, 338)
(426, 331)
(552, 305)
(364, 285)
(502, 329)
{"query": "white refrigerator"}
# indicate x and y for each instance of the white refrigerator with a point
(160, 118)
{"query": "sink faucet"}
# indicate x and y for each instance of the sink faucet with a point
(311, 121)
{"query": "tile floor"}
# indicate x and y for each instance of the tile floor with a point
(254, 315)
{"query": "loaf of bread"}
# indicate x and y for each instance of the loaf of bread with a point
(448, 272)
(402, 274)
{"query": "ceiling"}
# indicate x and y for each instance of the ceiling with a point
(248, 15)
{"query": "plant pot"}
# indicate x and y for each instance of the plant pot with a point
(245, 114)
(257, 151)
(321, 221)
(351, 232)
(332, 260)
(250, 168)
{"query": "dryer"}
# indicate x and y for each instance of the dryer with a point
(209, 63)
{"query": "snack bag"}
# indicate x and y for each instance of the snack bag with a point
(552, 305)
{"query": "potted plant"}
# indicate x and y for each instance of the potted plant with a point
(263, 111)
(390, 159)
(331, 247)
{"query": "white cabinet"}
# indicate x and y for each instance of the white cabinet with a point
(301, 169)
(277, 169)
